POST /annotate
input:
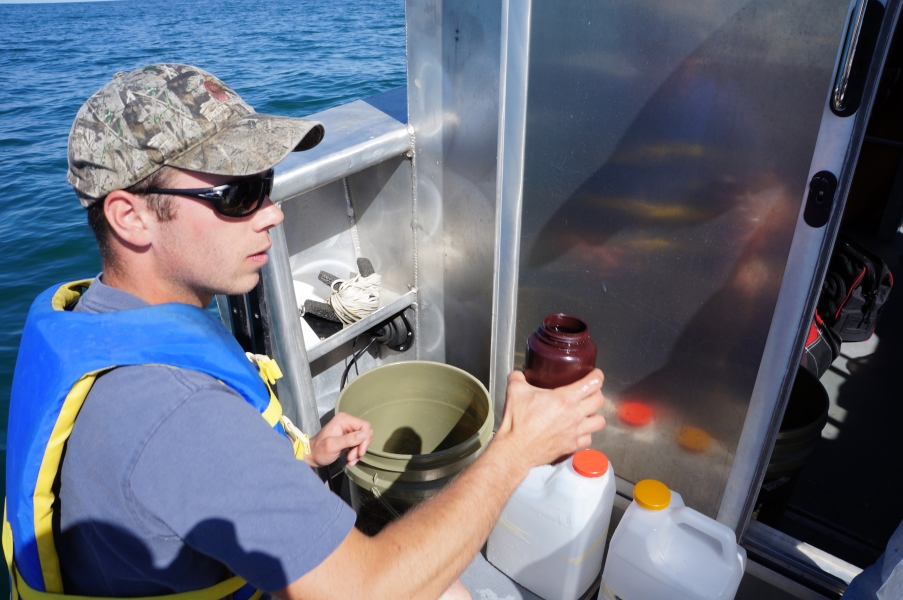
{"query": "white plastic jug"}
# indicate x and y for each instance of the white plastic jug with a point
(663, 550)
(551, 535)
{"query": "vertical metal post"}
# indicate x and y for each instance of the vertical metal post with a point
(296, 389)
(509, 195)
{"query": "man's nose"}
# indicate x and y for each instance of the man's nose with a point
(269, 215)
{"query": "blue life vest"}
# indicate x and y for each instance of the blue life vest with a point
(60, 356)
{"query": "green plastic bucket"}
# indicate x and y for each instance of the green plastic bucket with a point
(430, 420)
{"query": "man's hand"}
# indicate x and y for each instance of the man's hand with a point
(343, 432)
(545, 425)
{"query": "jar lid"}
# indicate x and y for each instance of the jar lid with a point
(652, 495)
(590, 463)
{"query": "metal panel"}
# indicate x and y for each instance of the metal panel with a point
(453, 73)
(318, 237)
(836, 150)
(667, 149)
(357, 136)
(318, 232)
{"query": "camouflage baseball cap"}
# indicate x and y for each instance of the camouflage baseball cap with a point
(176, 115)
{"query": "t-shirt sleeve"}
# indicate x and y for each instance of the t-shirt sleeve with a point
(219, 478)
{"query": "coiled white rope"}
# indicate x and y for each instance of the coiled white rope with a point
(353, 299)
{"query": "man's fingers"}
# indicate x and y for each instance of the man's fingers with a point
(349, 423)
(592, 403)
(586, 386)
(516, 376)
(362, 449)
(592, 424)
(353, 439)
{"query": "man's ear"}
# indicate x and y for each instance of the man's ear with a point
(129, 218)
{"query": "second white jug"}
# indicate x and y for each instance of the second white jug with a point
(663, 550)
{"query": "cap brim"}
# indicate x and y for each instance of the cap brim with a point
(252, 144)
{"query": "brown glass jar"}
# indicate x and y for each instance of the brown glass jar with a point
(559, 352)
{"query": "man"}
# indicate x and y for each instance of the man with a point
(170, 480)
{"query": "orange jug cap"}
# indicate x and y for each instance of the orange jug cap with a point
(590, 463)
(652, 495)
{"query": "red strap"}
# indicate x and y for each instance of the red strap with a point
(850, 292)
(813, 333)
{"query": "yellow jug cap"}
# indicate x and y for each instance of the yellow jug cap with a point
(652, 495)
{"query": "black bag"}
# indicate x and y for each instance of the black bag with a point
(822, 347)
(854, 291)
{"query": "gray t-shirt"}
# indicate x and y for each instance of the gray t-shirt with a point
(171, 481)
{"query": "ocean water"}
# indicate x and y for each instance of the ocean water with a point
(289, 57)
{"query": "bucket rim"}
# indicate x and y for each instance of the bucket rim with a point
(431, 456)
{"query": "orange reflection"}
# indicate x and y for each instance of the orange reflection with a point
(635, 414)
(694, 439)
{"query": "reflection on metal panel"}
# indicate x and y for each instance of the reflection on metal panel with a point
(836, 151)
(453, 67)
(667, 148)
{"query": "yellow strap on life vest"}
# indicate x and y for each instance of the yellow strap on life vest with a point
(44, 494)
(267, 368)
(269, 371)
(20, 589)
(300, 440)
(67, 294)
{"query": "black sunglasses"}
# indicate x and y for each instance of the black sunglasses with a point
(237, 199)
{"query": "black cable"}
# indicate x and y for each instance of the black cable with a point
(354, 357)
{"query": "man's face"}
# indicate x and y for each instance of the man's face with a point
(206, 253)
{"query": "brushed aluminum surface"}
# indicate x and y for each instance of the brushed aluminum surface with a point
(357, 136)
(453, 73)
(836, 150)
(318, 237)
(667, 149)
(512, 128)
